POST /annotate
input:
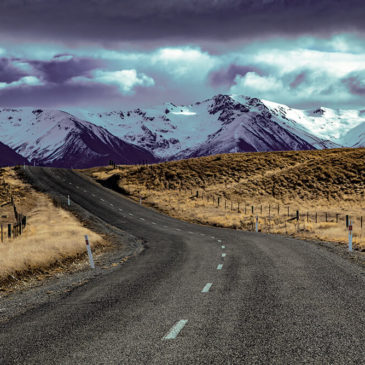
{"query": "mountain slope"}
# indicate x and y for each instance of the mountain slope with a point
(217, 125)
(56, 138)
(9, 157)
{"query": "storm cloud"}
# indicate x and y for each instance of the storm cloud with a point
(184, 20)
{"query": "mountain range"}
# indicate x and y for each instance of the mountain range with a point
(222, 124)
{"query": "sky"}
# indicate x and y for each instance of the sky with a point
(120, 54)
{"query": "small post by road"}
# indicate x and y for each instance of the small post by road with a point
(2, 233)
(68, 200)
(257, 223)
(140, 201)
(91, 260)
(9, 230)
(350, 236)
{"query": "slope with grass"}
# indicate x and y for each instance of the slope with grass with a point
(326, 183)
(52, 235)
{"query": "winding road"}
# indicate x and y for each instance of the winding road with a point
(196, 295)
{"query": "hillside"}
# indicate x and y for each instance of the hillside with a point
(9, 157)
(328, 183)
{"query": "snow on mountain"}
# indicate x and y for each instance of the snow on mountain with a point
(8, 157)
(221, 124)
(57, 138)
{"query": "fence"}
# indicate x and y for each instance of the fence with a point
(16, 226)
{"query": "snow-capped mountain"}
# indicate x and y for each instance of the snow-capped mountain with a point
(221, 124)
(57, 138)
(8, 157)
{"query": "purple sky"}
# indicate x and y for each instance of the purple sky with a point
(108, 54)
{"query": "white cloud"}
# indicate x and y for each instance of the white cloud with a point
(254, 82)
(24, 81)
(125, 80)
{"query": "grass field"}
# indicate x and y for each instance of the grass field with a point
(327, 183)
(51, 238)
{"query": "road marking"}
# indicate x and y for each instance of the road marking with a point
(213, 237)
(111, 205)
(178, 229)
(142, 219)
(153, 222)
(70, 183)
(223, 247)
(93, 194)
(207, 287)
(165, 227)
(85, 191)
(191, 232)
(219, 267)
(219, 241)
(175, 330)
(102, 199)
(77, 187)
(130, 214)
(202, 234)
(223, 255)
(121, 209)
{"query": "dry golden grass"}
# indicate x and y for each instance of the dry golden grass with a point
(327, 181)
(51, 237)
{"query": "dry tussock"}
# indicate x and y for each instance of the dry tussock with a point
(51, 237)
(327, 181)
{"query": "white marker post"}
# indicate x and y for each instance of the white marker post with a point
(350, 236)
(68, 200)
(257, 223)
(89, 252)
(140, 201)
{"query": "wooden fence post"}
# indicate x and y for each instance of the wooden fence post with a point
(2, 233)
(316, 218)
(307, 217)
(9, 230)
(288, 211)
(297, 215)
(252, 209)
(219, 200)
(269, 210)
(326, 217)
(336, 217)
(347, 221)
(238, 207)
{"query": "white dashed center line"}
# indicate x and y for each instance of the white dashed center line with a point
(223, 255)
(178, 229)
(85, 191)
(219, 241)
(219, 267)
(93, 195)
(190, 232)
(223, 247)
(111, 205)
(130, 214)
(175, 330)
(207, 287)
(153, 222)
(102, 199)
(142, 219)
(213, 237)
(202, 234)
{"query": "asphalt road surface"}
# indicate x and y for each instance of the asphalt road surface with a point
(196, 295)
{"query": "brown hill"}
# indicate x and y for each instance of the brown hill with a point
(326, 183)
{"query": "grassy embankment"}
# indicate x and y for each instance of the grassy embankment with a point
(51, 240)
(313, 182)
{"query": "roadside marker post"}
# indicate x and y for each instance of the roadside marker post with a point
(257, 223)
(68, 200)
(91, 260)
(350, 236)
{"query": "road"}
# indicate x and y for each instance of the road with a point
(196, 295)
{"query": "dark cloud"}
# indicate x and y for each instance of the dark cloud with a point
(355, 82)
(187, 20)
(299, 79)
(226, 75)
(9, 73)
(64, 67)
(57, 96)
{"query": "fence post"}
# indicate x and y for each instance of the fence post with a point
(231, 205)
(9, 230)
(269, 210)
(91, 260)
(297, 215)
(252, 209)
(316, 218)
(347, 221)
(336, 217)
(257, 223)
(350, 236)
(68, 200)
(261, 209)
(225, 203)
(326, 217)
(219, 199)
(238, 207)
(2, 233)
(361, 221)
(245, 208)
(288, 211)
(278, 209)
(307, 217)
